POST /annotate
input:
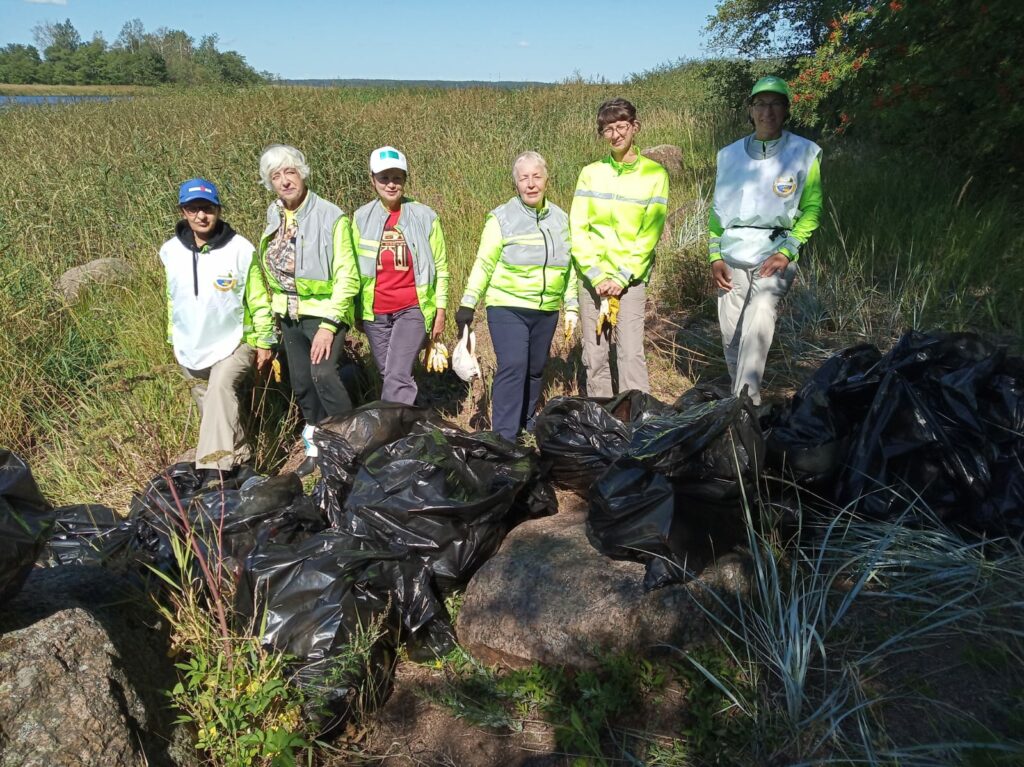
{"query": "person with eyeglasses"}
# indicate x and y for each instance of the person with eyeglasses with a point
(403, 274)
(307, 257)
(218, 323)
(767, 202)
(616, 219)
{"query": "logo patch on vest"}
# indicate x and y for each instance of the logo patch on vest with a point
(784, 186)
(225, 282)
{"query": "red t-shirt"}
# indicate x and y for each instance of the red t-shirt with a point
(396, 284)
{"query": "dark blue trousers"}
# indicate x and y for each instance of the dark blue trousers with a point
(522, 341)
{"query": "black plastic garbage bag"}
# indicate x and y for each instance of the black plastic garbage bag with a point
(228, 521)
(943, 425)
(90, 534)
(810, 439)
(313, 598)
(578, 437)
(25, 523)
(676, 496)
(344, 441)
(441, 495)
(709, 448)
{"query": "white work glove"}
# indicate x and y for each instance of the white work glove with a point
(570, 322)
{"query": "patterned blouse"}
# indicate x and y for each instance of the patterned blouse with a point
(281, 258)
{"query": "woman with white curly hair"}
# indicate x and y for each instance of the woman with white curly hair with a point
(307, 257)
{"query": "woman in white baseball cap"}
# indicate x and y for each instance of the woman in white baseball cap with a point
(403, 274)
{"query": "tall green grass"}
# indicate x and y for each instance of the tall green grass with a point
(91, 395)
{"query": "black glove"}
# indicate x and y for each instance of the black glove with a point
(463, 317)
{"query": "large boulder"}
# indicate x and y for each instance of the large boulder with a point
(548, 596)
(83, 667)
(669, 156)
(101, 271)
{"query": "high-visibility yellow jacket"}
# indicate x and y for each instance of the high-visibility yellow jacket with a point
(616, 218)
(524, 260)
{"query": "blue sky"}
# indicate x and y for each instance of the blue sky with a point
(401, 39)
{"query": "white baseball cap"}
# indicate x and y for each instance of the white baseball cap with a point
(387, 157)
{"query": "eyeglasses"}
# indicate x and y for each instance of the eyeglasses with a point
(621, 128)
(194, 209)
(768, 104)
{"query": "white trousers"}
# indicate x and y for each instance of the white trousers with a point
(215, 390)
(746, 315)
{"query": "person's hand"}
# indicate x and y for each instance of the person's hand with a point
(722, 275)
(263, 358)
(609, 288)
(463, 318)
(438, 325)
(320, 349)
(777, 262)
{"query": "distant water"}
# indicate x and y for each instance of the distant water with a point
(37, 100)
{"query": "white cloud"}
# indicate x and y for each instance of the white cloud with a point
(47, 2)
(524, 43)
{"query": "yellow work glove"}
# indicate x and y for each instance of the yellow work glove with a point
(571, 321)
(613, 311)
(608, 314)
(275, 369)
(436, 357)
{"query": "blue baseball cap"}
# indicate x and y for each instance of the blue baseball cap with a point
(198, 189)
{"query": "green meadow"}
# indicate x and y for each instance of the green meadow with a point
(91, 395)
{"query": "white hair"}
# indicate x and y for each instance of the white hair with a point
(277, 156)
(529, 156)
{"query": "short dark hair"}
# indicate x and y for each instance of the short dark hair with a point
(613, 111)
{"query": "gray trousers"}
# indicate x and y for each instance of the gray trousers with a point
(746, 315)
(627, 336)
(396, 340)
(215, 390)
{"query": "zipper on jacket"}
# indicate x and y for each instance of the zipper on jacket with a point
(195, 272)
(544, 269)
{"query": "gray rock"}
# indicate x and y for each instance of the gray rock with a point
(101, 271)
(83, 667)
(668, 156)
(549, 596)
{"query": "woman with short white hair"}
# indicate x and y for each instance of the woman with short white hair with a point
(523, 271)
(307, 257)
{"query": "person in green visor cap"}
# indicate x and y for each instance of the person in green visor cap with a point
(767, 203)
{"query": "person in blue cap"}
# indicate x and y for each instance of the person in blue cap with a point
(218, 322)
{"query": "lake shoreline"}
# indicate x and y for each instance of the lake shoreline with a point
(40, 89)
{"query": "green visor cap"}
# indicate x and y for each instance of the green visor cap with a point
(770, 84)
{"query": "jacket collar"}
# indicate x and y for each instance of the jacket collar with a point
(222, 235)
(533, 212)
(624, 167)
(762, 150)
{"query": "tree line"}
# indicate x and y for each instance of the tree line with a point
(137, 57)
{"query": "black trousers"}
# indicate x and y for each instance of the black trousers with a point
(318, 388)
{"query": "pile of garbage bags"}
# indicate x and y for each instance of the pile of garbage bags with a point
(406, 509)
(934, 426)
(665, 482)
